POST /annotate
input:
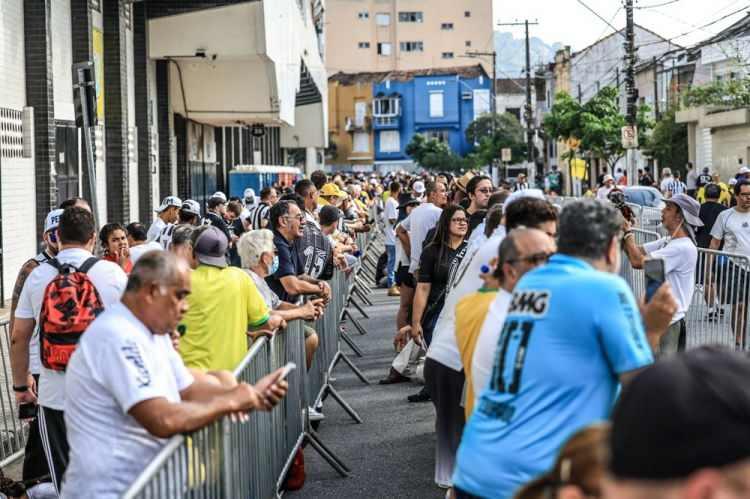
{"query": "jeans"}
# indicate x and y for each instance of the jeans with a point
(390, 271)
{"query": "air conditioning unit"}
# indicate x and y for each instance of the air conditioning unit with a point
(467, 95)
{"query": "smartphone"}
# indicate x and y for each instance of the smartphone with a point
(27, 411)
(289, 367)
(653, 269)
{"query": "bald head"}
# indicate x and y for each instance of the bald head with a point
(522, 250)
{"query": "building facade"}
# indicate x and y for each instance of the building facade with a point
(173, 110)
(377, 114)
(393, 35)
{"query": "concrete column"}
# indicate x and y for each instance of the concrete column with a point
(311, 160)
(40, 96)
(142, 112)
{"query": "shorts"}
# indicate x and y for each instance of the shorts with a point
(405, 278)
(735, 281)
(309, 331)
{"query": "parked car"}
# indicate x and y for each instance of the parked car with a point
(649, 203)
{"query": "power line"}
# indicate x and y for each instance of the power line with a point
(588, 49)
(699, 28)
(597, 15)
(663, 4)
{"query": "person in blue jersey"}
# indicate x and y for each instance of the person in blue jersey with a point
(573, 332)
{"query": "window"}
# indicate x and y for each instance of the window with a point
(410, 17)
(390, 141)
(386, 106)
(412, 47)
(448, 55)
(439, 135)
(361, 142)
(467, 13)
(436, 105)
(384, 48)
(468, 43)
(364, 45)
(383, 19)
(363, 15)
(446, 26)
(360, 111)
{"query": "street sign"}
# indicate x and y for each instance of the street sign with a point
(630, 137)
(505, 154)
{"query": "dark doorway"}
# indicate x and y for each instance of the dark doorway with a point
(67, 161)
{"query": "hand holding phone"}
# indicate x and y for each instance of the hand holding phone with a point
(653, 270)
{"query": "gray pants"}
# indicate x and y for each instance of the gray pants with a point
(673, 340)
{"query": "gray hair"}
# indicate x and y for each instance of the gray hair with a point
(160, 267)
(252, 245)
(587, 227)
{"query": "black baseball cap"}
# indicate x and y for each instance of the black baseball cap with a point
(410, 202)
(211, 247)
(682, 414)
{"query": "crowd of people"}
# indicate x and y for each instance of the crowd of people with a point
(128, 335)
(539, 360)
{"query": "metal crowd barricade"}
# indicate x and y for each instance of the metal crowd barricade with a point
(228, 459)
(722, 281)
(13, 432)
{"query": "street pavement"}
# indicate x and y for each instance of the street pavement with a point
(392, 454)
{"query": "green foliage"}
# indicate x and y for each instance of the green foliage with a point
(730, 94)
(668, 142)
(597, 124)
(508, 133)
(435, 155)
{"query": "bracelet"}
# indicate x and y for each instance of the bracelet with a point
(20, 389)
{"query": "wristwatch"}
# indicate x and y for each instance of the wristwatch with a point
(20, 389)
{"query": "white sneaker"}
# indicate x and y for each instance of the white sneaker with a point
(315, 415)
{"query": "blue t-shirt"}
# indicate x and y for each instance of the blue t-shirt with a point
(570, 331)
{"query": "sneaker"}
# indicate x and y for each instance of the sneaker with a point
(394, 291)
(315, 415)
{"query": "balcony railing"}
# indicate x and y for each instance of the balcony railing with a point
(384, 121)
(358, 125)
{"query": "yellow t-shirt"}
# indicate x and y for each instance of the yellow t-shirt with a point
(724, 198)
(223, 304)
(470, 313)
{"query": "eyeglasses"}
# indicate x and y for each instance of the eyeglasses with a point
(300, 217)
(460, 220)
(535, 259)
(486, 190)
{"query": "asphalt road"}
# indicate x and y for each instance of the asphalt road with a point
(392, 453)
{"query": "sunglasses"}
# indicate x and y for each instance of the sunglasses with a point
(460, 220)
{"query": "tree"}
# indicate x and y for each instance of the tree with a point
(435, 155)
(597, 124)
(668, 143)
(508, 134)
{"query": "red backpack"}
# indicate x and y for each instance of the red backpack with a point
(70, 304)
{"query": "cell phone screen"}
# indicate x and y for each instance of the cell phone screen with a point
(653, 270)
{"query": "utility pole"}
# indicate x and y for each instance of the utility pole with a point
(656, 89)
(529, 115)
(631, 93)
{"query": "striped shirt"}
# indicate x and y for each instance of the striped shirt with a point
(257, 215)
(675, 187)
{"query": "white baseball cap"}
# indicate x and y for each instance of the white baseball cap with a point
(53, 219)
(191, 206)
(220, 195)
(418, 187)
(744, 170)
(168, 202)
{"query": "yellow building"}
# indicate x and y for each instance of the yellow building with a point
(404, 35)
(350, 120)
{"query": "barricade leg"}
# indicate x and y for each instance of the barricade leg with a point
(351, 344)
(341, 356)
(360, 328)
(313, 439)
(330, 390)
(356, 305)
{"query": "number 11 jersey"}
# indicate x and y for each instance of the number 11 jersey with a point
(571, 330)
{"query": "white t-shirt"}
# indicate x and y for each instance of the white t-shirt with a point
(401, 257)
(664, 184)
(603, 192)
(443, 348)
(680, 259)
(156, 227)
(137, 251)
(422, 218)
(733, 228)
(117, 364)
(108, 279)
(484, 353)
(390, 213)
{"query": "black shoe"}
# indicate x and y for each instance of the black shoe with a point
(393, 378)
(422, 396)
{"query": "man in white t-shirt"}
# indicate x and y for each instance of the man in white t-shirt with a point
(128, 389)
(680, 217)
(390, 218)
(138, 241)
(443, 354)
(608, 183)
(76, 236)
(520, 252)
(166, 214)
(732, 227)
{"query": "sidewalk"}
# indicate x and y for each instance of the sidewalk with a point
(392, 453)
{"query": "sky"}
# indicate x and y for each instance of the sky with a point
(570, 23)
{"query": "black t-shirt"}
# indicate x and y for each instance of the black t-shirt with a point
(646, 180)
(703, 179)
(288, 265)
(314, 252)
(435, 267)
(476, 219)
(708, 215)
(218, 221)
